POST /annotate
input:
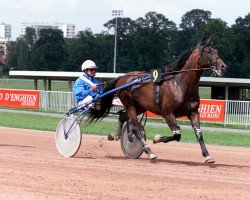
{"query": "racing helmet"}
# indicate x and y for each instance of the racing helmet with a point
(88, 64)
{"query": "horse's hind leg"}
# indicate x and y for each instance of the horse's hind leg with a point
(138, 131)
(123, 117)
(171, 121)
(194, 119)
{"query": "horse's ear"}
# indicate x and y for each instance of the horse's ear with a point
(200, 44)
(203, 40)
(208, 40)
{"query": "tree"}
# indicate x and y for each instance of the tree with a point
(191, 22)
(49, 50)
(151, 41)
(142, 44)
(85, 46)
(12, 55)
(241, 31)
(222, 37)
(194, 19)
(103, 51)
(245, 66)
(125, 26)
(124, 58)
(26, 45)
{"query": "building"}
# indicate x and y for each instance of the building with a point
(5, 31)
(5, 37)
(3, 46)
(67, 29)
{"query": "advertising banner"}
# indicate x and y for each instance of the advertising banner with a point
(19, 98)
(212, 110)
(209, 110)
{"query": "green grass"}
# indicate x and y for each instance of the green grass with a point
(205, 92)
(28, 84)
(203, 123)
(45, 123)
(210, 137)
(27, 121)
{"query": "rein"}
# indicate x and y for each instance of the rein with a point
(166, 73)
(163, 75)
(186, 70)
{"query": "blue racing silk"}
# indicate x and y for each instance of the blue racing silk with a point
(81, 89)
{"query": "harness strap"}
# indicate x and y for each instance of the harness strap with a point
(156, 96)
(157, 91)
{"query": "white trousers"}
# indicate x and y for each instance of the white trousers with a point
(85, 101)
(117, 102)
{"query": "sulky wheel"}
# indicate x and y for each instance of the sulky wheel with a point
(130, 145)
(68, 137)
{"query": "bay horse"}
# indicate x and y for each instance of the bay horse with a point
(176, 95)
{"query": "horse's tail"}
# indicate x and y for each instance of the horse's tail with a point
(105, 103)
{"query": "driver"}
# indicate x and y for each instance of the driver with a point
(87, 87)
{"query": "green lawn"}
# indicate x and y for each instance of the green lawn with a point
(28, 84)
(205, 92)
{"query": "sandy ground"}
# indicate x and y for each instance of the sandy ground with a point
(31, 168)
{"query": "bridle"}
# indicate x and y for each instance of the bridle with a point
(212, 62)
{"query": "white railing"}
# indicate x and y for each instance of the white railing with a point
(62, 101)
(236, 112)
(56, 101)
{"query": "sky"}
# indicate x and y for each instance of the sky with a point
(94, 13)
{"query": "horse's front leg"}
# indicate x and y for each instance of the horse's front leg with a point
(171, 121)
(194, 119)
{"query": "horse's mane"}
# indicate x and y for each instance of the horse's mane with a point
(180, 62)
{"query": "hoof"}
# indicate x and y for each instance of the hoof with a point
(157, 139)
(177, 137)
(110, 137)
(209, 159)
(117, 137)
(152, 156)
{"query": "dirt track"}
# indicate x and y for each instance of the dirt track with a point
(31, 168)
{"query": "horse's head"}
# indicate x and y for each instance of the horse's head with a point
(209, 58)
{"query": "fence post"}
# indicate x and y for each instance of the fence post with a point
(225, 114)
(247, 118)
